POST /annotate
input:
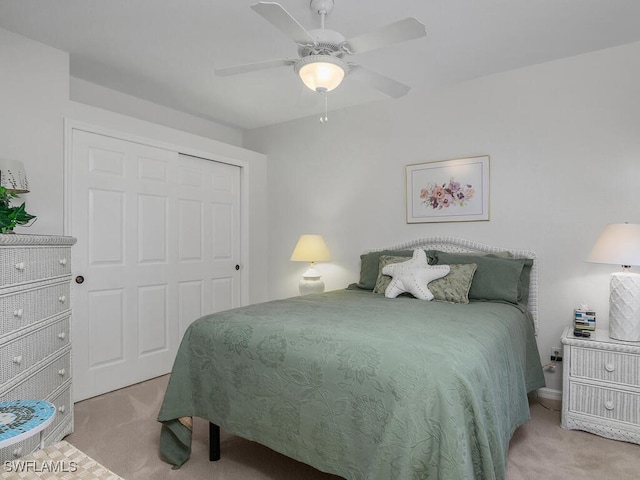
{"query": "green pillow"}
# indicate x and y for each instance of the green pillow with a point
(432, 255)
(369, 266)
(455, 286)
(495, 279)
(523, 284)
(383, 280)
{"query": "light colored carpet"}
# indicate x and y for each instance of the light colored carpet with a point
(120, 431)
(60, 461)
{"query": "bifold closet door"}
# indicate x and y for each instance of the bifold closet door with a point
(158, 242)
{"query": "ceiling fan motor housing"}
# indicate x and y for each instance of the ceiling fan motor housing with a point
(328, 42)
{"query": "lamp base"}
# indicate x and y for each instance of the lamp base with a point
(311, 282)
(624, 307)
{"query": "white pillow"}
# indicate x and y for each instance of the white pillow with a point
(413, 276)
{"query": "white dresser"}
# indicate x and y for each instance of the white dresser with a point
(35, 316)
(601, 386)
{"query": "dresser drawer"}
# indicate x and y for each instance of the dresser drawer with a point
(21, 309)
(615, 367)
(42, 382)
(26, 264)
(19, 449)
(606, 403)
(64, 409)
(19, 354)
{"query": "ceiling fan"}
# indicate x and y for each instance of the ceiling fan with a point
(322, 64)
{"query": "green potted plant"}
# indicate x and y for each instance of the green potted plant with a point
(11, 216)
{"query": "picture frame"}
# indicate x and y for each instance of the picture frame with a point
(448, 190)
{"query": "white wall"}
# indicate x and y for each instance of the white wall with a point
(91, 94)
(564, 142)
(34, 90)
(34, 101)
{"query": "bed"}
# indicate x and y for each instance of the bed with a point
(368, 387)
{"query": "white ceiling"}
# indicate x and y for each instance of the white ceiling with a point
(165, 51)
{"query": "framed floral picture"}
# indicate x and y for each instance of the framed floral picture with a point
(448, 191)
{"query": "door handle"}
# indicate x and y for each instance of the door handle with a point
(237, 267)
(79, 279)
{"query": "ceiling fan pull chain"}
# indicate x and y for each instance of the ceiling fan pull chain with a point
(324, 118)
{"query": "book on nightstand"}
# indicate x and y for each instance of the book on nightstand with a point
(584, 322)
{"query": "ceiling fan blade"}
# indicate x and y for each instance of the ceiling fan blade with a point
(280, 18)
(252, 67)
(381, 82)
(400, 31)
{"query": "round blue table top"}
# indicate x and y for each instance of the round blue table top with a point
(21, 418)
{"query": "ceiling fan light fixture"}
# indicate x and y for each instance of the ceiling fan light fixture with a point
(321, 73)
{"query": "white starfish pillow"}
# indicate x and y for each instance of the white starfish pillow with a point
(413, 276)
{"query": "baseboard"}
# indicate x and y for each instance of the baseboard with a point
(549, 393)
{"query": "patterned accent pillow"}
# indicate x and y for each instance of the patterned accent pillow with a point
(454, 288)
(383, 280)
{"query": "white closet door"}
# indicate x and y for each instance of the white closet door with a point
(158, 241)
(208, 238)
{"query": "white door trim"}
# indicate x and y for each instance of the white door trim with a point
(245, 171)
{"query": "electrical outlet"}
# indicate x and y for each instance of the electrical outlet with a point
(556, 354)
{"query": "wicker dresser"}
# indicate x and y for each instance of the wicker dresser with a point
(601, 386)
(35, 316)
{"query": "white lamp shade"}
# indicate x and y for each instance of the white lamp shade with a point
(619, 244)
(311, 248)
(321, 73)
(13, 176)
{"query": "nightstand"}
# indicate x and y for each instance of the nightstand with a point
(601, 386)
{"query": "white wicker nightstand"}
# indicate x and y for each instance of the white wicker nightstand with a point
(601, 386)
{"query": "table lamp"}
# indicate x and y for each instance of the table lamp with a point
(619, 243)
(13, 176)
(311, 248)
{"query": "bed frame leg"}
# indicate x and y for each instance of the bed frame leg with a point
(214, 442)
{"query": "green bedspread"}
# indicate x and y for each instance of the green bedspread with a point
(360, 385)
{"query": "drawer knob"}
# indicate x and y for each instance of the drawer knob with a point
(62, 298)
(63, 261)
(62, 408)
(61, 372)
(608, 405)
(17, 359)
(62, 336)
(18, 313)
(17, 452)
(20, 266)
(609, 367)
